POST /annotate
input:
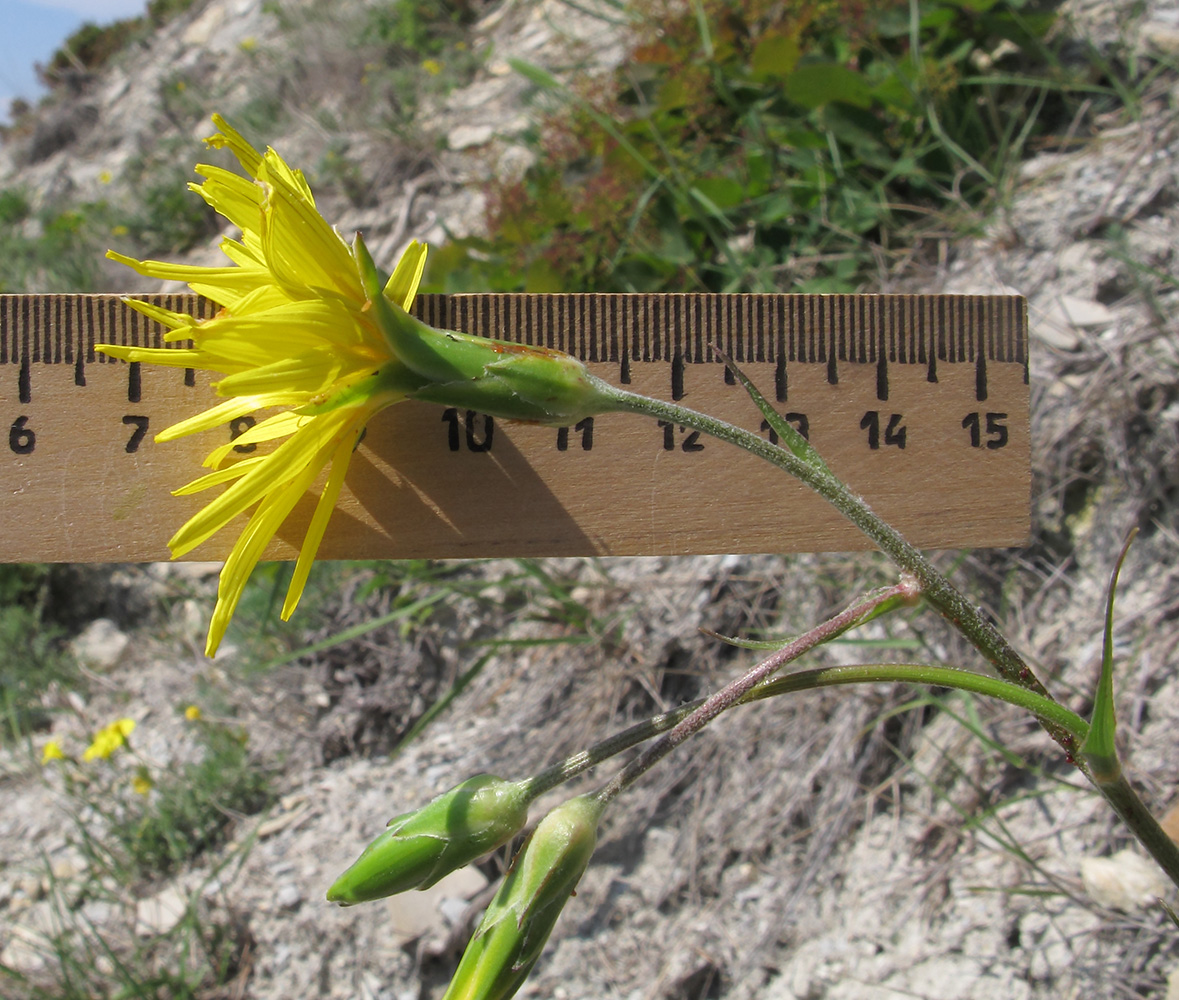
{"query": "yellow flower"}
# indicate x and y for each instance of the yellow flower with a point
(309, 328)
(296, 332)
(141, 784)
(52, 751)
(192, 713)
(108, 739)
(432, 66)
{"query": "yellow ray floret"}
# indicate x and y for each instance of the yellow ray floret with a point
(296, 331)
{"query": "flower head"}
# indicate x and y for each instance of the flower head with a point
(295, 335)
(193, 713)
(310, 332)
(108, 739)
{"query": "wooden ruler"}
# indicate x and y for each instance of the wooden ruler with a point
(919, 401)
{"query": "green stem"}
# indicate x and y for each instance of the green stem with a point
(935, 588)
(574, 765)
(806, 680)
(918, 673)
(1131, 810)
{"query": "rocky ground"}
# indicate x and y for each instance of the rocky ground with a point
(857, 844)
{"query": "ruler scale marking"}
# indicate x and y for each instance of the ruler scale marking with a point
(959, 323)
(781, 323)
(57, 329)
(834, 358)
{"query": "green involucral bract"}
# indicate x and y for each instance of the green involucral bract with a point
(519, 920)
(473, 818)
(496, 377)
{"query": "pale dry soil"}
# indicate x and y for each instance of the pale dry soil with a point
(856, 843)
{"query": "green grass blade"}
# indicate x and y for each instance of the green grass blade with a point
(441, 704)
(405, 611)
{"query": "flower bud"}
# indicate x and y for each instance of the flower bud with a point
(419, 848)
(519, 920)
(496, 377)
(517, 382)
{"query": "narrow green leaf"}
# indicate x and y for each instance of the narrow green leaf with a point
(355, 631)
(1099, 749)
(787, 433)
(776, 642)
(709, 206)
(441, 704)
(535, 74)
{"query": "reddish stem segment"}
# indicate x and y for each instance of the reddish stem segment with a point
(735, 691)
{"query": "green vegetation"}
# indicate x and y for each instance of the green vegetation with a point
(89, 48)
(168, 217)
(55, 248)
(801, 146)
(92, 46)
(413, 29)
(97, 948)
(414, 595)
(31, 649)
(191, 812)
(112, 934)
(419, 47)
(14, 207)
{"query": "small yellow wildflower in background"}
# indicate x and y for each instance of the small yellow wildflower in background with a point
(432, 66)
(192, 713)
(52, 751)
(142, 784)
(105, 177)
(108, 739)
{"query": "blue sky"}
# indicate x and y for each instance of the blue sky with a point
(33, 29)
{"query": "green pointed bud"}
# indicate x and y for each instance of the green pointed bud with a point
(519, 920)
(419, 848)
(496, 377)
(519, 382)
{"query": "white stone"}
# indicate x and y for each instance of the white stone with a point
(160, 913)
(288, 897)
(467, 136)
(203, 31)
(1126, 881)
(417, 914)
(100, 645)
(1160, 36)
(1084, 313)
